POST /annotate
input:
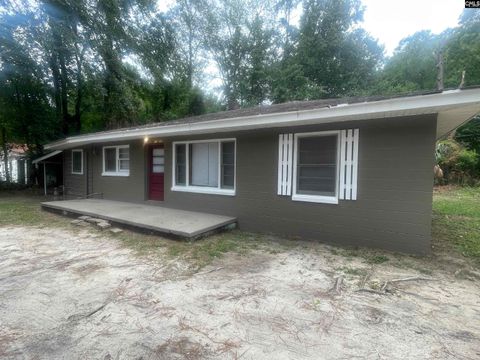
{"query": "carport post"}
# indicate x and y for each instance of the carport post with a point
(45, 178)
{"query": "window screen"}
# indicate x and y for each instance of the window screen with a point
(77, 162)
(110, 159)
(123, 159)
(317, 165)
(228, 164)
(180, 164)
(204, 164)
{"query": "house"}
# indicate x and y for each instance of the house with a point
(355, 171)
(17, 161)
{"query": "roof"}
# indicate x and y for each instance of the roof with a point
(47, 156)
(455, 106)
(16, 151)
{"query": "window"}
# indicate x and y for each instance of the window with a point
(315, 169)
(116, 160)
(181, 164)
(158, 160)
(77, 162)
(206, 166)
(228, 165)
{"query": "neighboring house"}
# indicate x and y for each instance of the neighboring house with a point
(355, 171)
(18, 168)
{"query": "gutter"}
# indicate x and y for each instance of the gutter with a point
(402, 106)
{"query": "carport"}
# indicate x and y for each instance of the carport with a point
(52, 166)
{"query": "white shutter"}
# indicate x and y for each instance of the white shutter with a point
(348, 164)
(285, 161)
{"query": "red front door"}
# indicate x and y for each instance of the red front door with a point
(156, 169)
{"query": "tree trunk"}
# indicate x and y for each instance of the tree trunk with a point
(190, 56)
(440, 70)
(5, 154)
(56, 91)
(64, 92)
(78, 102)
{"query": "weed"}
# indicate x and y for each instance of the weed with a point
(352, 271)
(377, 259)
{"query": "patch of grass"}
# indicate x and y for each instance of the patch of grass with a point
(456, 220)
(371, 256)
(140, 243)
(23, 210)
(377, 259)
(464, 202)
(410, 262)
(200, 252)
(352, 271)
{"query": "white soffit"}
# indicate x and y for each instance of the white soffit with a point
(454, 108)
(451, 119)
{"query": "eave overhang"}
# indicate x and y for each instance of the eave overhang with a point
(453, 107)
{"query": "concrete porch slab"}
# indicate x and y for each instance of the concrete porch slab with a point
(157, 219)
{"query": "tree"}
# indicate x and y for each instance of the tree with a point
(334, 56)
(65, 45)
(462, 51)
(25, 114)
(239, 42)
(412, 66)
(256, 71)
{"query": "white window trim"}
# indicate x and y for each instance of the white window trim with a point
(118, 172)
(315, 198)
(81, 162)
(204, 189)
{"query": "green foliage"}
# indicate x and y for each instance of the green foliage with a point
(462, 51)
(412, 66)
(459, 165)
(337, 58)
(469, 134)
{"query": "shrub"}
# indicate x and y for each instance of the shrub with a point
(459, 165)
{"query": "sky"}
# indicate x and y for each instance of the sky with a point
(390, 21)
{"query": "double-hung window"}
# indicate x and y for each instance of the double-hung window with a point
(315, 167)
(116, 160)
(206, 166)
(77, 162)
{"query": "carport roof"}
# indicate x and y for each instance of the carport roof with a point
(47, 156)
(453, 107)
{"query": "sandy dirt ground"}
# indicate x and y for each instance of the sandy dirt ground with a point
(80, 295)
